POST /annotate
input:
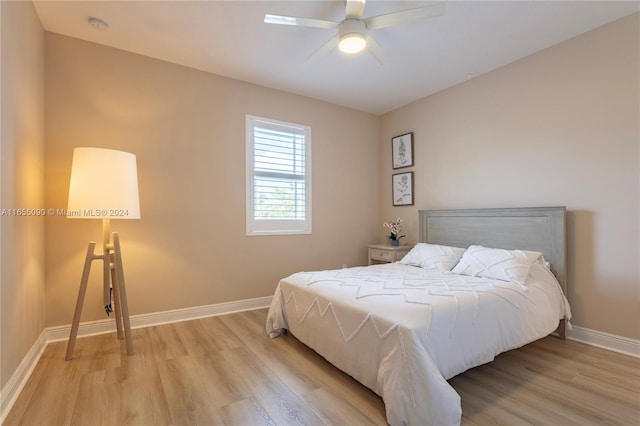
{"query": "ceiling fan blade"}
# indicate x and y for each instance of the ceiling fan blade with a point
(375, 49)
(324, 49)
(355, 9)
(302, 22)
(404, 16)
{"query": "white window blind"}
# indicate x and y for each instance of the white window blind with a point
(278, 177)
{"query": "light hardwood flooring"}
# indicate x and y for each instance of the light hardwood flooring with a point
(225, 370)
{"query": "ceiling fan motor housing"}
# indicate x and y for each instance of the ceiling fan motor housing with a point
(351, 26)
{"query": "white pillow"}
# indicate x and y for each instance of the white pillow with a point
(431, 256)
(499, 264)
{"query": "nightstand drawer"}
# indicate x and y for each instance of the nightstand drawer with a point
(384, 255)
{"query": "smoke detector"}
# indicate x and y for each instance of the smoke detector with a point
(98, 24)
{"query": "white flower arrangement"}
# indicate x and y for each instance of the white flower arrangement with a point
(395, 228)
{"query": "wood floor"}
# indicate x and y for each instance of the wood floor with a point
(224, 370)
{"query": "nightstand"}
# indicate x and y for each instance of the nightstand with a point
(384, 253)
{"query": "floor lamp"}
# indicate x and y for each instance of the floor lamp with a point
(104, 185)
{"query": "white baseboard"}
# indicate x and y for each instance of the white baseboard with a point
(623, 345)
(107, 325)
(12, 389)
(19, 378)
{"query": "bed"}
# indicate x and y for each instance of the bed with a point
(403, 329)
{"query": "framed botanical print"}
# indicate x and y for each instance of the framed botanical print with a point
(402, 189)
(402, 150)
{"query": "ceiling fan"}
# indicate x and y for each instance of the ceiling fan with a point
(352, 32)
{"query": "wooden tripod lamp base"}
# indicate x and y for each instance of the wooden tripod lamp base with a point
(113, 275)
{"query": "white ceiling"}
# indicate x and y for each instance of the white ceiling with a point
(229, 38)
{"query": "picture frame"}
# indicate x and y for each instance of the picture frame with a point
(402, 189)
(402, 151)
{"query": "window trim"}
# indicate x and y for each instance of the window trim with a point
(256, 227)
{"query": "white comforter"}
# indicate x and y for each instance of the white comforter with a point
(403, 331)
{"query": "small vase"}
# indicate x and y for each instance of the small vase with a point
(394, 242)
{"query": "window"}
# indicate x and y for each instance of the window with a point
(278, 177)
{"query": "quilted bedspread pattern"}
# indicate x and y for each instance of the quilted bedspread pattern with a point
(403, 331)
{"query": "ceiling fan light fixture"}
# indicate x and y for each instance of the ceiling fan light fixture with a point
(352, 43)
(351, 33)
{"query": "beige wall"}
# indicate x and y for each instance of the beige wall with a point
(560, 127)
(22, 291)
(187, 129)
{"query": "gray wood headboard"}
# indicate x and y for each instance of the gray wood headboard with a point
(538, 229)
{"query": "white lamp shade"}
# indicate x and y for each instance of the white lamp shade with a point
(104, 185)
